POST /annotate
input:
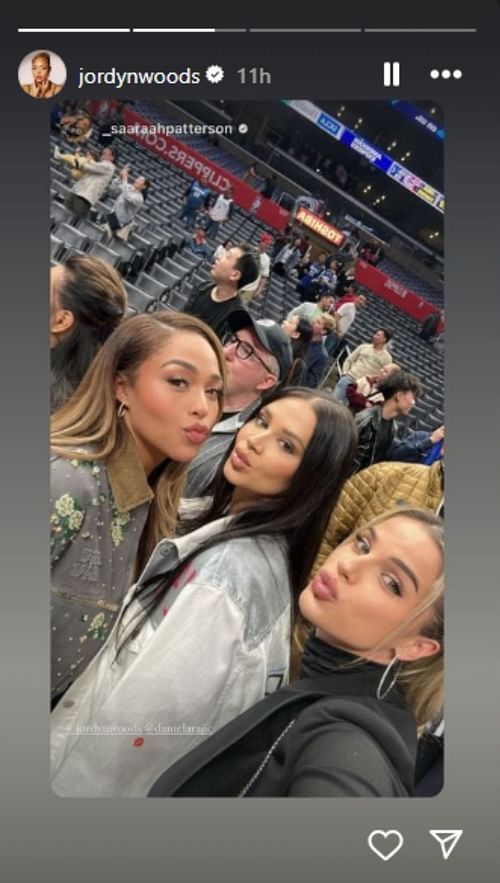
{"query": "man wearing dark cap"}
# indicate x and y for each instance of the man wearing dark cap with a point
(258, 358)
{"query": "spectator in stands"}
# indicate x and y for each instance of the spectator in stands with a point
(305, 249)
(349, 293)
(346, 314)
(219, 251)
(269, 187)
(256, 288)
(341, 175)
(305, 201)
(377, 425)
(236, 268)
(364, 392)
(310, 310)
(251, 176)
(130, 202)
(282, 239)
(42, 86)
(76, 161)
(371, 678)
(372, 253)
(258, 359)
(205, 632)
(367, 358)
(287, 257)
(300, 332)
(326, 282)
(87, 302)
(92, 185)
(196, 197)
(416, 445)
(429, 327)
(198, 243)
(344, 317)
(317, 356)
(313, 272)
(345, 283)
(120, 449)
(220, 212)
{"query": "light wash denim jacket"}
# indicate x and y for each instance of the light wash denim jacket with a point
(218, 643)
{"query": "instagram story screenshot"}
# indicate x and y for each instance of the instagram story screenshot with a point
(250, 415)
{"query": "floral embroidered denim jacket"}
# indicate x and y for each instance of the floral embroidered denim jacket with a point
(98, 513)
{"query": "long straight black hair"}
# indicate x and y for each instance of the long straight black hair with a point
(299, 515)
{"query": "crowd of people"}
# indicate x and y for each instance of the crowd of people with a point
(247, 558)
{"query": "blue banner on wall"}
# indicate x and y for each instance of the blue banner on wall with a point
(419, 117)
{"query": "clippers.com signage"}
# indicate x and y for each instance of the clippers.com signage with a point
(195, 164)
(393, 291)
(320, 227)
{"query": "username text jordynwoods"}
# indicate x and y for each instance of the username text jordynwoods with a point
(119, 79)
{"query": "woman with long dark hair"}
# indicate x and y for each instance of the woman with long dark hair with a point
(87, 302)
(121, 446)
(205, 633)
(372, 677)
(300, 332)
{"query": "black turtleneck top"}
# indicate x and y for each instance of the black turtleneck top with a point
(327, 735)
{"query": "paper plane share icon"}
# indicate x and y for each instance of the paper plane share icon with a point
(447, 839)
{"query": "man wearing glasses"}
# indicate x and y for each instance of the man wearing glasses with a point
(258, 358)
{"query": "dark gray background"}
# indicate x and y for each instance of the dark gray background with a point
(50, 838)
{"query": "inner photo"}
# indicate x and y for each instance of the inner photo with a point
(246, 327)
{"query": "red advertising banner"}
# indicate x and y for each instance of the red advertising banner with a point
(195, 164)
(318, 225)
(393, 291)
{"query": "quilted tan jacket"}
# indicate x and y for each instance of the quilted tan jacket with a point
(376, 490)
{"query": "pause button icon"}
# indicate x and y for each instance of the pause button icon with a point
(391, 73)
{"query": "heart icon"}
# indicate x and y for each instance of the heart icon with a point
(389, 843)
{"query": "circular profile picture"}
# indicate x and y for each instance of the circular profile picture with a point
(42, 74)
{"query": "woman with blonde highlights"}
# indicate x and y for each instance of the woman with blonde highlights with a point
(372, 674)
(121, 446)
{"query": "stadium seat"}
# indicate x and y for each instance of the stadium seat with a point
(71, 236)
(106, 254)
(138, 300)
(150, 286)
